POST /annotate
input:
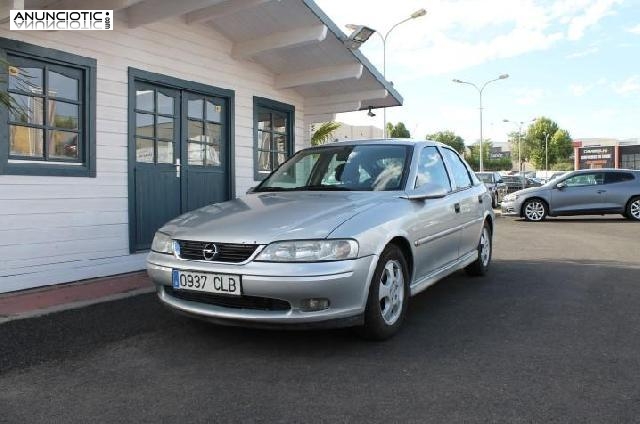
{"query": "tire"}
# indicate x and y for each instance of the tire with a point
(633, 209)
(534, 210)
(388, 296)
(494, 201)
(485, 250)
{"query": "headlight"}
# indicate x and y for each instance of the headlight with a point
(309, 251)
(510, 197)
(162, 243)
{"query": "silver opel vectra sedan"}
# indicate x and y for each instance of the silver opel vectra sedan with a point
(339, 235)
(584, 192)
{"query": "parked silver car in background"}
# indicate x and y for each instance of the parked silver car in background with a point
(584, 192)
(339, 235)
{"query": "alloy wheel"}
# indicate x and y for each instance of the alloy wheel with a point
(634, 209)
(485, 247)
(391, 292)
(534, 210)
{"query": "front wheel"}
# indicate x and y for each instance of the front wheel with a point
(633, 209)
(534, 210)
(388, 296)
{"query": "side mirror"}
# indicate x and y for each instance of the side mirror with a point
(426, 191)
(561, 185)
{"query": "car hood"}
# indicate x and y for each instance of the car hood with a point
(261, 218)
(531, 190)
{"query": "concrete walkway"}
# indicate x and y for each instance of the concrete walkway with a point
(44, 300)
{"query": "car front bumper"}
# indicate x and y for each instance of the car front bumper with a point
(510, 208)
(344, 283)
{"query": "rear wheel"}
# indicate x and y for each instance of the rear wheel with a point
(485, 248)
(494, 200)
(388, 296)
(534, 210)
(633, 209)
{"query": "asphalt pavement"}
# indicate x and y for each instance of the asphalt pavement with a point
(552, 334)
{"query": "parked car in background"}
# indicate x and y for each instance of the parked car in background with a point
(548, 176)
(339, 235)
(584, 192)
(517, 182)
(496, 186)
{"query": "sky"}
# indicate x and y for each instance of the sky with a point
(574, 61)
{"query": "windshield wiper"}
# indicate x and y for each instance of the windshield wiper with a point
(319, 187)
(322, 187)
(267, 189)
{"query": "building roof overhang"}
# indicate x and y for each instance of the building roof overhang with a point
(293, 39)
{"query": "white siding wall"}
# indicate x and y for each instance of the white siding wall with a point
(59, 229)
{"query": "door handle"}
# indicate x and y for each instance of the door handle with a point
(601, 191)
(457, 207)
(177, 165)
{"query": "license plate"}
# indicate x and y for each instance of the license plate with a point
(206, 282)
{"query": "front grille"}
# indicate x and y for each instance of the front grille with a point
(236, 302)
(227, 252)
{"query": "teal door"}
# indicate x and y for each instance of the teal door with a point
(179, 156)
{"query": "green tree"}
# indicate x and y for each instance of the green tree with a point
(450, 139)
(397, 131)
(519, 144)
(324, 132)
(544, 136)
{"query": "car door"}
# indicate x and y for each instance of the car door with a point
(468, 196)
(619, 186)
(580, 193)
(435, 225)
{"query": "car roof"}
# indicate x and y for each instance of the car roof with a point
(583, 171)
(373, 141)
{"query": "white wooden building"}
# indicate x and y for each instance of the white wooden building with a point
(184, 103)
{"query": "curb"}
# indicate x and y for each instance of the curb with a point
(74, 305)
(41, 301)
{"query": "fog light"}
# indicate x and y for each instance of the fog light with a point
(310, 305)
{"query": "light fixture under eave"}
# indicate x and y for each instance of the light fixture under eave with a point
(359, 35)
(370, 113)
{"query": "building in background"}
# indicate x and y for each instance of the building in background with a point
(595, 153)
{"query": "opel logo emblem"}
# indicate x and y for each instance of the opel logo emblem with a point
(210, 251)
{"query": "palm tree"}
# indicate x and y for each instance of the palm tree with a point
(324, 132)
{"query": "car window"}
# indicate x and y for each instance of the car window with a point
(361, 168)
(484, 177)
(617, 177)
(581, 180)
(431, 169)
(459, 171)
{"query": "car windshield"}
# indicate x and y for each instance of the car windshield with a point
(366, 167)
(485, 178)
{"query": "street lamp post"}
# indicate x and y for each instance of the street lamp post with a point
(546, 155)
(480, 90)
(520, 124)
(417, 14)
